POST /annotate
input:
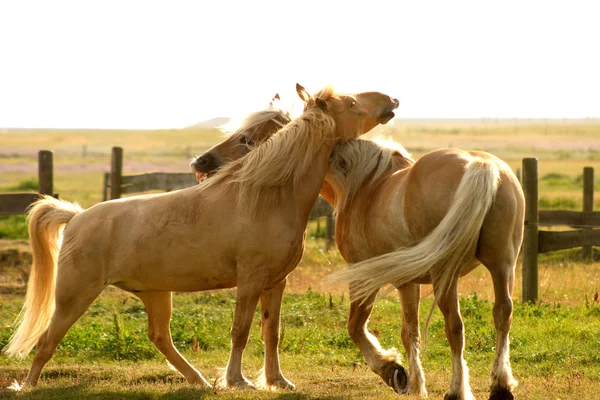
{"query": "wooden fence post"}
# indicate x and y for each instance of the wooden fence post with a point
(588, 205)
(530, 239)
(46, 172)
(116, 170)
(105, 186)
(330, 229)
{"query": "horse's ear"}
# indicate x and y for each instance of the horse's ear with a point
(274, 99)
(322, 104)
(304, 95)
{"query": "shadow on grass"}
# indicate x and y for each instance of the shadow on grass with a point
(82, 392)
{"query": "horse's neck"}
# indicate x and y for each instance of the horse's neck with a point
(372, 223)
(306, 190)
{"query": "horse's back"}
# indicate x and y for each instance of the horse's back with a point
(430, 187)
(434, 179)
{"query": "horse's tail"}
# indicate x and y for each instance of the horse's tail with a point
(448, 245)
(46, 219)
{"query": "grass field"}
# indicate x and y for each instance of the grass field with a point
(555, 345)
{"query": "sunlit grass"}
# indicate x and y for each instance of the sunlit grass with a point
(107, 353)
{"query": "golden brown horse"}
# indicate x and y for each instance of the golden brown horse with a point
(428, 222)
(254, 213)
(446, 213)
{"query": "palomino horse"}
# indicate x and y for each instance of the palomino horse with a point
(428, 222)
(446, 212)
(255, 212)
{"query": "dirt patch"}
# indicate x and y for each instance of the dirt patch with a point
(15, 266)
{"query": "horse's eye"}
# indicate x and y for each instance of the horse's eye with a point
(353, 103)
(244, 140)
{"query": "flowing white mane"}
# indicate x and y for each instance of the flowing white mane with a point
(255, 120)
(357, 161)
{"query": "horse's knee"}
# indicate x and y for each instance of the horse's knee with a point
(455, 327)
(160, 340)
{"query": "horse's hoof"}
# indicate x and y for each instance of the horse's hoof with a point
(397, 378)
(501, 394)
(281, 383)
(223, 383)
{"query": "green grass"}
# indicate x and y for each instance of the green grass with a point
(550, 343)
(13, 227)
(27, 185)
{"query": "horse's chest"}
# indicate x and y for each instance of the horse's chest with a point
(284, 261)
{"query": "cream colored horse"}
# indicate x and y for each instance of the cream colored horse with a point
(253, 215)
(449, 211)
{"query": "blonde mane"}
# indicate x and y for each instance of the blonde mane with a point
(256, 119)
(264, 173)
(355, 162)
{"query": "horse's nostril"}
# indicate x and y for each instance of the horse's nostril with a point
(203, 163)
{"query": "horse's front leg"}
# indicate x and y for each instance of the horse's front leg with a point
(248, 293)
(459, 383)
(270, 306)
(385, 363)
(410, 296)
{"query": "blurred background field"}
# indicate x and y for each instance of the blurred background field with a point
(81, 157)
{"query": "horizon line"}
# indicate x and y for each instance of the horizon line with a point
(395, 121)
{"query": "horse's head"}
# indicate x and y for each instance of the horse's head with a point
(355, 114)
(255, 129)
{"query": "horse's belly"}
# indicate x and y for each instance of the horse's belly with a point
(179, 269)
(174, 285)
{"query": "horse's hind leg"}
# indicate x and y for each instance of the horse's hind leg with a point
(385, 363)
(459, 383)
(502, 379)
(72, 299)
(158, 305)
(270, 306)
(410, 296)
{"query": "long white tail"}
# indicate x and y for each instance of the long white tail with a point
(46, 218)
(448, 244)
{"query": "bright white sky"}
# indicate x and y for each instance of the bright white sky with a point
(140, 64)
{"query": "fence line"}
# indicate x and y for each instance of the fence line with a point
(536, 241)
(17, 203)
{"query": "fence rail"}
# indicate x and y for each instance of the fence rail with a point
(536, 241)
(17, 203)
